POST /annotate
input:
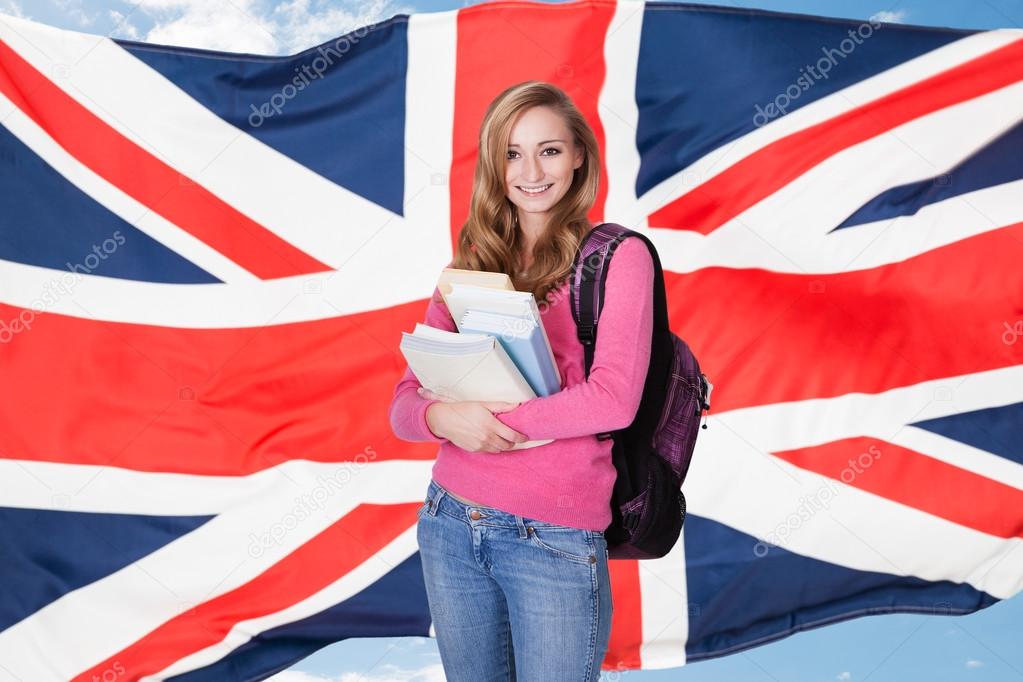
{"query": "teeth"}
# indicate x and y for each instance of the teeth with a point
(534, 190)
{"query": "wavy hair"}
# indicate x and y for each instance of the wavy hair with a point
(490, 239)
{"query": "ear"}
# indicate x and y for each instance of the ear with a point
(580, 154)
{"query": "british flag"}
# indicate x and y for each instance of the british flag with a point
(206, 261)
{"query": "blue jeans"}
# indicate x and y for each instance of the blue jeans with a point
(494, 578)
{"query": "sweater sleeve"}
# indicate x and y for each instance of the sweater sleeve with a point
(609, 399)
(407, 413)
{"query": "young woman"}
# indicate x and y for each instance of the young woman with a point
(512, 541)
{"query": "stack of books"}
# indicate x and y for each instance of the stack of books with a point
(500, 352)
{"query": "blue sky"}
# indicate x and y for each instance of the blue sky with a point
(288, 26)
(984, 646)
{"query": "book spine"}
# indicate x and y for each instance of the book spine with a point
(547, 342)
(548, 379)
(521, 386)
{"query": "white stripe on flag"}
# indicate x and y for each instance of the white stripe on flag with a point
(319, 217)
(736, 481)
(316, 297)
(981, 462)
(796, 219)
(99, 489)
(96, 621)
(802, 423)
(860, 247)
(619, 114)
(349, 585)
(666, 609)
(828, 107)
(788, 230)
(117, 202)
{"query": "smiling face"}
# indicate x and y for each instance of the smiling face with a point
(540, 160)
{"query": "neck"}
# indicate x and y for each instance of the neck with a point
(531, 226)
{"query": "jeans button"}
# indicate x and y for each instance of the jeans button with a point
(474, 515)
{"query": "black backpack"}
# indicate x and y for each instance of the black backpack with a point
(653, 453)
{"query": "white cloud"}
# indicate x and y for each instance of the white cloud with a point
(300, 26)
(890, 16)
(73, 9)
(393, 673)
(233, 26)
(381, 673)
(974, 663)
(272, 27)
(843, 676)
(123, 28)
(13, 8)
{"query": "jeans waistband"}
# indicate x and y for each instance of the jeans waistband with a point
(440, 499)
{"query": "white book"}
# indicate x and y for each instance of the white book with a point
(466, 367)
(517, 303)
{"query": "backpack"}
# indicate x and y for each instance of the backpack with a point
(653, 453)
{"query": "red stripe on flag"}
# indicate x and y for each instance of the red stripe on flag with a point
(623, 650)
(504, 43)
(145, 178)
(235, 401)
(766, 337)
(918, 481)
(362, 533)
(203, 401)
(764, 172)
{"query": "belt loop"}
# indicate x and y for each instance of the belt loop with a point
(521, 525)
(435, 500)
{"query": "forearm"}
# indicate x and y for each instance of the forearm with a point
(609, 399)
(605, 402)
(407, 413)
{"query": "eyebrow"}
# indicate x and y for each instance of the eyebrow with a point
(538, 143)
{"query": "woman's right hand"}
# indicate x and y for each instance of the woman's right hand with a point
(471, 424)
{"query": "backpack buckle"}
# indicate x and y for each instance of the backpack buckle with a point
(630, 520)
(585, 333)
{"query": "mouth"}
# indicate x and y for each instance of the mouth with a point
(533, 192)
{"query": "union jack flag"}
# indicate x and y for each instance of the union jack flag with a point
(206, 261)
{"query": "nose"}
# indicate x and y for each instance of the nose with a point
(534, 170)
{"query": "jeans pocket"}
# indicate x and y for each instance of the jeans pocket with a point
(573, 544)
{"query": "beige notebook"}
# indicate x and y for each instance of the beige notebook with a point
(480, 278)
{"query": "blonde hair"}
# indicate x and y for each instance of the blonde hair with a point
(490, 238)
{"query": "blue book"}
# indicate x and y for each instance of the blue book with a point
(523, 340)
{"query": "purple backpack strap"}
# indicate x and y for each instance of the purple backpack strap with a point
(587, 288)
(588, 280)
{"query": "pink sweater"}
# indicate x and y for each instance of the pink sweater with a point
(568, 481)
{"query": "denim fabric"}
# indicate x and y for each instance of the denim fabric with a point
(513, 598)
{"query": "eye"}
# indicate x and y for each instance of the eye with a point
(549, 149)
